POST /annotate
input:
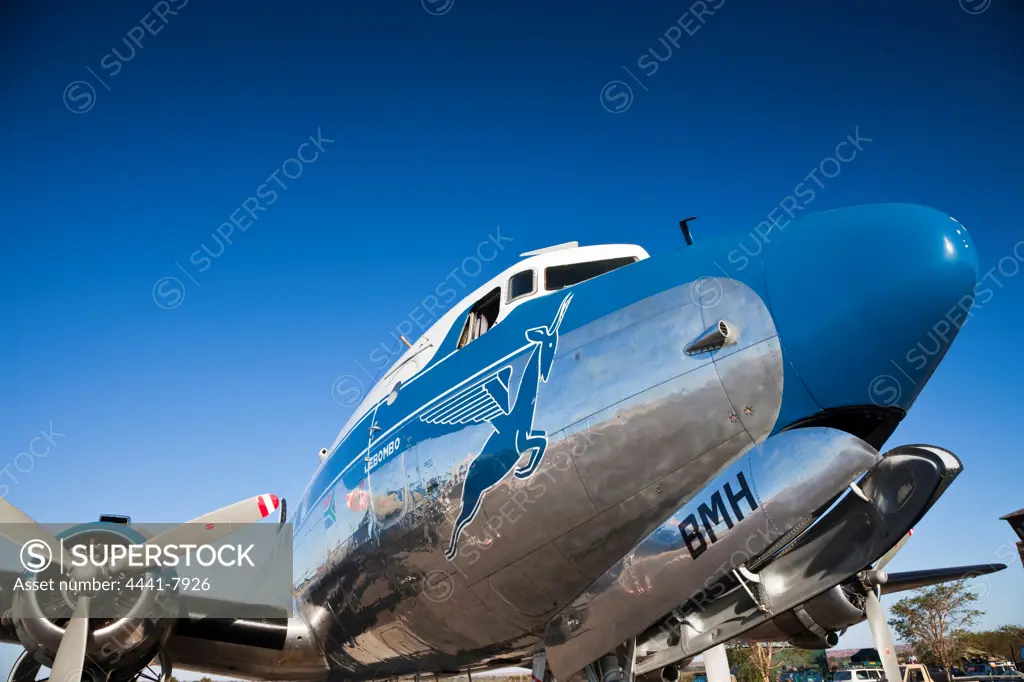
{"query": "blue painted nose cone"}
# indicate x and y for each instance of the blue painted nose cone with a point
(868, 299)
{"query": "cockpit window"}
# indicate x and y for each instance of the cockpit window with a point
(560, 276)
(520, 284)
(482, 317)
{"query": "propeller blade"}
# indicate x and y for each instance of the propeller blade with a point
(213, 526)
(70, 658)
(20, 528)
(883, 637)
(219, 524)
(887, 557)
(911, 580)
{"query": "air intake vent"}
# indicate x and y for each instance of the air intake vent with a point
(713, 338)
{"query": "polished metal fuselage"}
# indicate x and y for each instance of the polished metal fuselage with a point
(635, 427)
(581, 435)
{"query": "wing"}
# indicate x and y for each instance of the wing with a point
(479, 401)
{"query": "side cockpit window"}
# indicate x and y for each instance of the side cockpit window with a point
(482, 317)
(560, 276)
(521, 284)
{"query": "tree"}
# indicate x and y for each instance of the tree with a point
(761, 662)
(753, 662)
(1006, 639)
(935, 620)
(819, 660)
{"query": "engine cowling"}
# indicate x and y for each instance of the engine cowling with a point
(137, 614)
(815, 624)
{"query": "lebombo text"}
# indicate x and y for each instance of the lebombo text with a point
(67, 585)
(157, 556)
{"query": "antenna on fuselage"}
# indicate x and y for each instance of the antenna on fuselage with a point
(686, 230)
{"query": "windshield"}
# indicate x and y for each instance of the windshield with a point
(560, 276)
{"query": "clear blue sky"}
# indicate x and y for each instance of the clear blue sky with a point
(448, 120)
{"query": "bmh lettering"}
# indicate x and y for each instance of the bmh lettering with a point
(714, 513)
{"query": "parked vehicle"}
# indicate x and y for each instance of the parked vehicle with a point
(858, 675)
(992, 669)
(801, 676)
(915, 672)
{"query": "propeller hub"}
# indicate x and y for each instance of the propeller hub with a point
(87, 573)
(875, 577)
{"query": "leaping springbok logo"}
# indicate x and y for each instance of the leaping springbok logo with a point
(488, 400)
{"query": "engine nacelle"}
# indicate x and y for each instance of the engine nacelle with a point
(761, 501)
(132, 621)
(815, 624)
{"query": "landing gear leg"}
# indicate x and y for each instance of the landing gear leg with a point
(629, 672)
(716, 664)
(611, 671)
(148, 673)
(540, 664)
(25, 669)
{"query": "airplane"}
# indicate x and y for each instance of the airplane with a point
(599, 463)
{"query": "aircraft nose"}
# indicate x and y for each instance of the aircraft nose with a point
(867, 300)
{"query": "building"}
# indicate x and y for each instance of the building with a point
(1016, 521)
